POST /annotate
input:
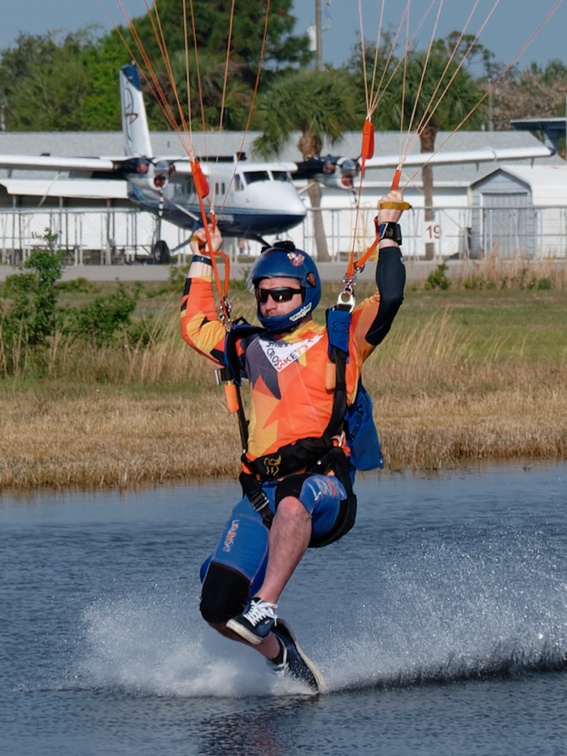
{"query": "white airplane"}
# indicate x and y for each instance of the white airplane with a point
(251, 199)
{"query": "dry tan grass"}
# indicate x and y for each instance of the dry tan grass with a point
(427, 432)
(438, 404)
(109, 437)
(515, 272)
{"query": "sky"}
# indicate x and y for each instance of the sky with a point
(506, 32)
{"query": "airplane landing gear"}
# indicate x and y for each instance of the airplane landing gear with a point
(160, 253)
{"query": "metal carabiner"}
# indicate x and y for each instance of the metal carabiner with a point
(225, 312)
(346, 300)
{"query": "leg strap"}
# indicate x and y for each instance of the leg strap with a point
(252, 488)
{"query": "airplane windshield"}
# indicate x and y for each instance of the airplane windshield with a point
(281, 176)
(253, 176)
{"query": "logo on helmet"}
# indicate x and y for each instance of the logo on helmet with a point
(296, 259)
(300, 313)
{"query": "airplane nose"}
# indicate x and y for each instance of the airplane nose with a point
(276, 206)
(278, 197)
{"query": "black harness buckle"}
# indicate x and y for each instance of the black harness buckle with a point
(252, 488)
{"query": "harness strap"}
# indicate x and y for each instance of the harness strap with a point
(337, 461)
(231, 373)
(252, 488)
(307, 452)
(314, 454)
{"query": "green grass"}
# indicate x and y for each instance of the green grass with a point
(467, 326)
(527, 325)
(530, 324)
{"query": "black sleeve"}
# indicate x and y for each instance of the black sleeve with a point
(390, 280)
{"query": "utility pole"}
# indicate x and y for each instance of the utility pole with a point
(318, 36)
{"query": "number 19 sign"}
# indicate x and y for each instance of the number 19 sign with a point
(432, 231)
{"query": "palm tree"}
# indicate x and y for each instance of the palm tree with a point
(318, 104)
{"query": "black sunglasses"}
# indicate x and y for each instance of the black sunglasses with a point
(283, 294)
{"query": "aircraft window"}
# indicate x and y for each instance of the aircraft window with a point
(281, 176)
(253, 176)
(238, 183)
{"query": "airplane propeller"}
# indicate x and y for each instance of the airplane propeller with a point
(334, 171)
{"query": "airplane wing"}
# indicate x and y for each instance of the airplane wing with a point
(339, 172)
(183, 167)
(465, 156)
(48, 163)
(122, 164)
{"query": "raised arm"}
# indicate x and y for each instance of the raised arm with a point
(200, 326)
(390, 269)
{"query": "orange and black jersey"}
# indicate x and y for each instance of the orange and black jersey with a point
(292, 378)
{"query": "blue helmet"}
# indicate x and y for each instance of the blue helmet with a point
(283, 260)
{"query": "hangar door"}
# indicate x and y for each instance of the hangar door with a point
(508, 223)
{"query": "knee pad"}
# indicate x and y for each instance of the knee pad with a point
(224, 594)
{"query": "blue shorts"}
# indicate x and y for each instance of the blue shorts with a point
(243, 545)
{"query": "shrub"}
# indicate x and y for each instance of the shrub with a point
(78, 285)
(437, 278)
(102, 319)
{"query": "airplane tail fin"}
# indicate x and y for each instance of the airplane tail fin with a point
(134, 120)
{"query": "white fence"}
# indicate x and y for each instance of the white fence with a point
(88, 236)
(115, 236)
(450, 232)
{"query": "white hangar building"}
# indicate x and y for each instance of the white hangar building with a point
(520, 209)
(96, 222)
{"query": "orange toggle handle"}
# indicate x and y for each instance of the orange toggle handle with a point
(201, 184)
(396, 180)
(367, 140)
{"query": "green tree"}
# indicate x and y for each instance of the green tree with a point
(59, 82)
(206, 56)
(44, 81)
(212, 25)
(28, 311)
(318, 104)
(100, 105)
(207, 99)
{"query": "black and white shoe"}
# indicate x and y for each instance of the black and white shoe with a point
(293, 662)
(255, 622)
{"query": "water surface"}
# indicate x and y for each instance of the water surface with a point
(440, 623)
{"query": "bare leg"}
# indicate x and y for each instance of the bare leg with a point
(289, 537)
(269, 648)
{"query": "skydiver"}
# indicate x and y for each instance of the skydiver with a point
(296, 475)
